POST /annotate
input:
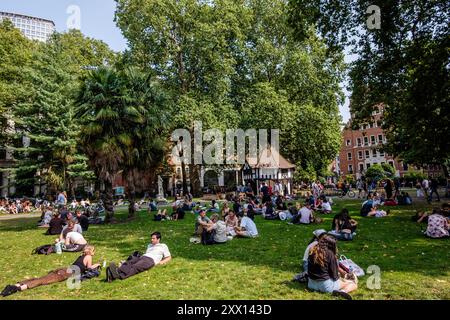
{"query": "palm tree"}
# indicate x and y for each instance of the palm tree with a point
(102, 117)
(122, 116)
(145, 150)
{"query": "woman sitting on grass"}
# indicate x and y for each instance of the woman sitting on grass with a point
(438, 226)
(323, 269)
(83, 263)
(343, 226)
(231, 222)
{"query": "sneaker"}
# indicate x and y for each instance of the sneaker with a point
(9, 289)
(113, 270)
(342, 294)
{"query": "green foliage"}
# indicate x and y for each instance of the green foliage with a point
(403, 64)
(15, 55)
(378, 172)
(236, 64)
(413, 176)
(123, 114)
(47, 117)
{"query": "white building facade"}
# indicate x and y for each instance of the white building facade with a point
(33, 28)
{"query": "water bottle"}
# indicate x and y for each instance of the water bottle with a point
(58, 248)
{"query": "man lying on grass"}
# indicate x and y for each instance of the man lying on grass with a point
(157, 254)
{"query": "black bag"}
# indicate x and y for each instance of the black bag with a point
(91, 273)
(45, 249)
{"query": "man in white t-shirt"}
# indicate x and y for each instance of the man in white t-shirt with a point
(304, 216)
(216, 231)
(247, 228)
(157, 254)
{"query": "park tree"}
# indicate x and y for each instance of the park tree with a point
(45, 119)
(402, 51)
(236, 64)
(188, 45)
(15, 56)
(122, 119)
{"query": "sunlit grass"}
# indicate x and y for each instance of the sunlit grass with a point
(412, 267)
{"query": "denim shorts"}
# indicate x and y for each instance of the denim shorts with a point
(327, 286)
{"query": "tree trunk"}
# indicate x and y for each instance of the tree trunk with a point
(183, 173)
(131, 195)
(194, 175)
(444, 167)
(72, 190)
(108, 202)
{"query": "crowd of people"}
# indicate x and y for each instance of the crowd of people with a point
(16, 206)
(219, 224)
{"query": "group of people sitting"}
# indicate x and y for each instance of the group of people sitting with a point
(371, 206)
(15, 206)
(219, 229)
(157, 253)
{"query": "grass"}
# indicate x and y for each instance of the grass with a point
(412, 266)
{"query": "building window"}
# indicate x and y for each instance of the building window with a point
(391, 163)
(381, 153)
(367, 165)
(349, 156)
(374, 153)
(380, 138)
(361, 167)
(366, 141)
(360, 155)
(372, 139)
(367, 154)
(358, 142)
(350, 168)
(349, 142)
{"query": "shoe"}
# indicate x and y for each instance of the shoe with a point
(9, 289)
(342, 294)
(113, 270)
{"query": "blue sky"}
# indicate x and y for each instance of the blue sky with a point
(96, 21)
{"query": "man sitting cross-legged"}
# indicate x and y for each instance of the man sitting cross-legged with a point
(157, 254)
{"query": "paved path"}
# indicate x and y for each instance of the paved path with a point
(19, 216)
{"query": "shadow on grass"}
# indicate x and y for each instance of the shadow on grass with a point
(394, 243)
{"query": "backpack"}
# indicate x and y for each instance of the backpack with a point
(45, 249)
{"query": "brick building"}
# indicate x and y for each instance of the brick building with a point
(360, 148)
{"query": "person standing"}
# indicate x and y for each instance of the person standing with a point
(425, 187)
(434, 186)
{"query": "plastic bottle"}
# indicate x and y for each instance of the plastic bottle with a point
(58, 248)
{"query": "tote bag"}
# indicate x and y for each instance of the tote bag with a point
(349, 265)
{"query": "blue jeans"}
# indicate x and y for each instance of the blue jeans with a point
(326, 286)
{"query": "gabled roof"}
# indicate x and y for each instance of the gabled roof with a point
(270, 158)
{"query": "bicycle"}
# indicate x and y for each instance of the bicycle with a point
(349, 193)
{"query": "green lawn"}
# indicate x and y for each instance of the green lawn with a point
(412, 267)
